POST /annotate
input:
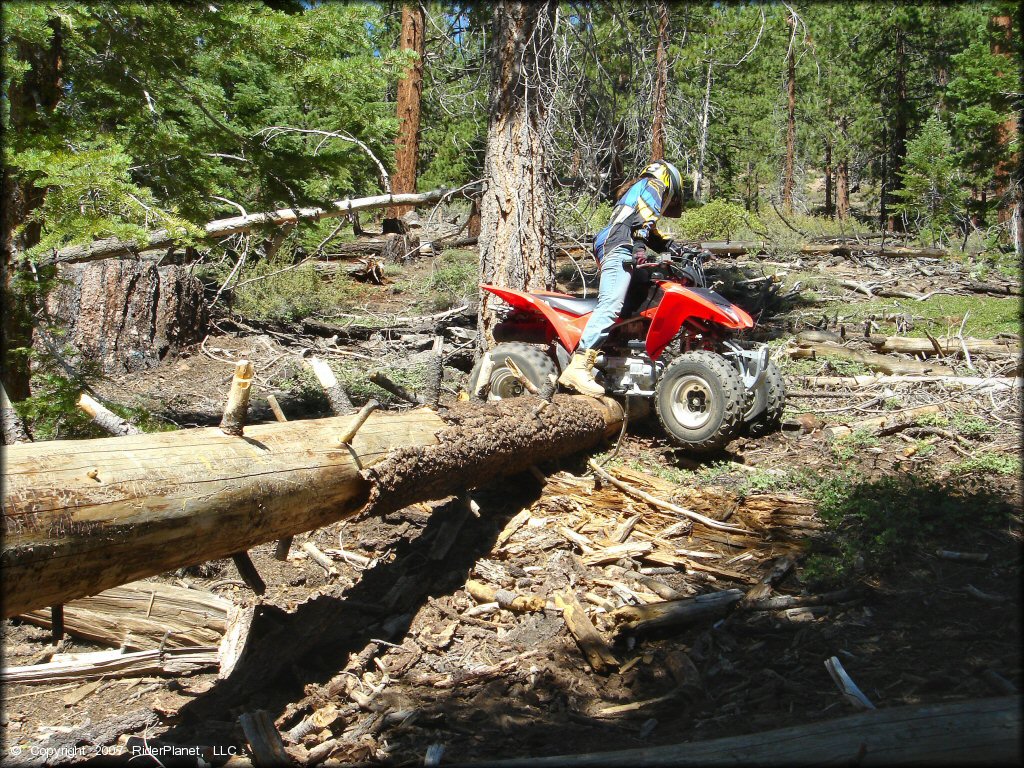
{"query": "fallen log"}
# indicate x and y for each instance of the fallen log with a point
(114, 248)
(977, 383)
(872, 360)
(905, 417)
(641, 618)
(81, 516)
(143, 615)
(110, 664)
(974, 732)
(944, 345)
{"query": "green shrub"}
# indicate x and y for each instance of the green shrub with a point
(848, 446)
(292, 295)
(989, 462)
(873, 525)
(716, 220)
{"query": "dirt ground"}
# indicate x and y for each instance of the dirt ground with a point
(392, 649)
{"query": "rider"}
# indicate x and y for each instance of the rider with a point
(658, 192)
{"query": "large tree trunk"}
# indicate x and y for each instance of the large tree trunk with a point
(660, 86)
(843, 175)
(1002, 45)
(515, 212)
(128, 315)
(829, 208)
(410, 89)
(893, 179)
(81, 516)
(30, 101)
(702, 136)
(787, 175)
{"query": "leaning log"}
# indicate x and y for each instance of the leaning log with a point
(978, 732)
(115, 248)
(81, 516)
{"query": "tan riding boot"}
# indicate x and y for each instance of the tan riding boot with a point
(579, 374)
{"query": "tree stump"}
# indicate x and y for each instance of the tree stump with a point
(128, 315)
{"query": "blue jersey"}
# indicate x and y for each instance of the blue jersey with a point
(636, 211)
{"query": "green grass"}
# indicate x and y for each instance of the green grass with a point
(989, 315)
(451, 281)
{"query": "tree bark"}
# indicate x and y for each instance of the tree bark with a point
(660, 86)
(843, 175)
(114, 248)
(974, 732)
(1002, 45)
(515, 213)
(900, 126)
(81, 516)
(829, 211)
(410, 90)
(702, 138)
(128, 315)
(787, 179)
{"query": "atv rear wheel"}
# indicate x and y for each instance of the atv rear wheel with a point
(769, 401)
(700, 401)
(533, 360)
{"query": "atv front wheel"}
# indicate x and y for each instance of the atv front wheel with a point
(533, 360)
(700, 401)
(769, 401)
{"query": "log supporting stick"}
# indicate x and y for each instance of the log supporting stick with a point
(106, 419)
(284, 546)
(247, 570)
(57, 623)
(382, 381)
(336, 396)
(435, 373)
(238, 399)
(276, 408)
(14, 431)
(345, 438)
(483, 382)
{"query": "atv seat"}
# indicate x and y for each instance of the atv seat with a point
(569, 304)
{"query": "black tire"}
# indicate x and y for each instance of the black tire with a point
(533, 360)
(700, 401)
(769, 401)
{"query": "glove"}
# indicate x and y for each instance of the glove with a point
(639, 253)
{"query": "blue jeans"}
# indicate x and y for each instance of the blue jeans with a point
(611, 295)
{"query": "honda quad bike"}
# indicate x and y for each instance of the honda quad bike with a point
(671, 345)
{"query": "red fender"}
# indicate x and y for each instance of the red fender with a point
(680, 303)
(568, 328)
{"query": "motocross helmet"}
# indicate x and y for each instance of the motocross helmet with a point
(675, 186)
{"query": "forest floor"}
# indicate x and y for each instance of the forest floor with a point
(391, 648)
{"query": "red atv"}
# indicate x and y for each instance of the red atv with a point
(671, 343)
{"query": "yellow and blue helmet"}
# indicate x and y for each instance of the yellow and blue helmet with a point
(675, 186)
